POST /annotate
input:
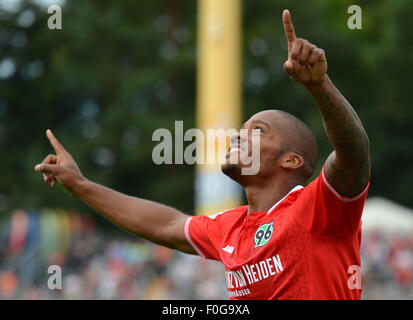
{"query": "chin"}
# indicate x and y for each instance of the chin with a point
(230, 169)
(233, 171)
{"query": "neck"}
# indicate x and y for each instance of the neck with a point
(261, 197)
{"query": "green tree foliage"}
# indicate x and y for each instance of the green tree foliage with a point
(118, 70)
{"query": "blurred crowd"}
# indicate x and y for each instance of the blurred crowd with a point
(387, 265)
(96, 263)
(99, 264)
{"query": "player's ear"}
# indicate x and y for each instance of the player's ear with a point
(291, 160)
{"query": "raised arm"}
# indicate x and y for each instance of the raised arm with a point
(347, 168)
(158, 223)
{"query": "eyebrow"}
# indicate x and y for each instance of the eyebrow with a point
(259, 121)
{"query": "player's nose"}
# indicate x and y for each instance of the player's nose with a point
(235, 138)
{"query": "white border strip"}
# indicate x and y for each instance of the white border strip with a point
(339, 196)
(292, 190)
(188, 237)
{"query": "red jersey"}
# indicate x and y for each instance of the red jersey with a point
(307, 246)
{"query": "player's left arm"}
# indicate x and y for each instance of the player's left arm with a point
(347, 168)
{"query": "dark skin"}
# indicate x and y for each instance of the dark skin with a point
(347, 168)
(277, 174)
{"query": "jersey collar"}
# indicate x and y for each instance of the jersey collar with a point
(298, 187)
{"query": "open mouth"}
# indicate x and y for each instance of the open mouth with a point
(235, 148)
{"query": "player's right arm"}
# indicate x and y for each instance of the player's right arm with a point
(153, 221)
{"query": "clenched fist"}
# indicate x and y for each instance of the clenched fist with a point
(306, 63)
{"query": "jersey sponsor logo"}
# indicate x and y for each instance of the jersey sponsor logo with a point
(239, 280)
(228, 249)
(263, 234)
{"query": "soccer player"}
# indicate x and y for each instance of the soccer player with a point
(290, 241)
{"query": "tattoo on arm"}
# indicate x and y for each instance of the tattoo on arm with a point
(347, 182)
(348, 167)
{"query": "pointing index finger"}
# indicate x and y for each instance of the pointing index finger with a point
(289, 29)
(54, 142)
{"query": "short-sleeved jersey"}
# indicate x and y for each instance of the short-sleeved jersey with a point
(307, 246)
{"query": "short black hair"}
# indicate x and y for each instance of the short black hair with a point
(299, 138)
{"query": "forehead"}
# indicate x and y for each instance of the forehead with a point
(272, 118)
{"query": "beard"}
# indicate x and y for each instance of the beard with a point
(235, 172)
(231, 170)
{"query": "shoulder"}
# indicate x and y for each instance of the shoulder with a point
(321, 189)
(228, 213)
(218, 222)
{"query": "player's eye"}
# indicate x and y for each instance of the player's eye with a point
(258, 128)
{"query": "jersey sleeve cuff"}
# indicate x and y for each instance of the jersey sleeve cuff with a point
(338, 195)
(188, 237)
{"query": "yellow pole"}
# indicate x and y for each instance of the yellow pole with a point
(218, 95)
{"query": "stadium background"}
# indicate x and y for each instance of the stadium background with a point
(117, 71)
